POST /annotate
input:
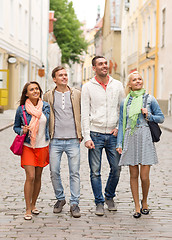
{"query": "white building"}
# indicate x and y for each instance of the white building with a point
(165, 54)
(23, 36)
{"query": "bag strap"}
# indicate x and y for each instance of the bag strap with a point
(24, 115)
(146, 98)
(145, 103)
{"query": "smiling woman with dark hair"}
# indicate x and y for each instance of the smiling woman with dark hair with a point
(35, 154)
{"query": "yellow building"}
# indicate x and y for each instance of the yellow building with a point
(88, 73)
(140, 40)
(148, 44)
(111, 31)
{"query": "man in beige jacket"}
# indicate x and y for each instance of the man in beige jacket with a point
(100, 103)
(65, 134)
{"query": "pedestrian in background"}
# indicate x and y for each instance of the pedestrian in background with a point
(65, 134)
(35, 154)
(138, 148)
(100, 103)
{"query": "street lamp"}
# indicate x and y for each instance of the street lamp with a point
(147, 50)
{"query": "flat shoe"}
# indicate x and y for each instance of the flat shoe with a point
(137, 215)
(144, 211)
(27, 217)
(35, 211)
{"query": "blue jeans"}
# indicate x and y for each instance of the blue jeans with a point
(107, 141)
(72, 149)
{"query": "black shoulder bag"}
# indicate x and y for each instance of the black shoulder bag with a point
(154, 127)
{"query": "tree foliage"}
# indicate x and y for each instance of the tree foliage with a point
(67, 30)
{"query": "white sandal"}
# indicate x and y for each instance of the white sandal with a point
(35, 211)
(27, 217)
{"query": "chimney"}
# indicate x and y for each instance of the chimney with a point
(51, 20)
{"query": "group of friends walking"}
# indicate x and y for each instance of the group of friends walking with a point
(104, 116)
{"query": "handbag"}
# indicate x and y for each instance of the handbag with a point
(17, 145)
(153, 126)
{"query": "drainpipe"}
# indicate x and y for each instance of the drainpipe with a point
(156, 49)
(30, 48)
(46, 71)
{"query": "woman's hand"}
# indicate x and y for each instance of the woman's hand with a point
(144, 112)
(25, 129)
(119, 150)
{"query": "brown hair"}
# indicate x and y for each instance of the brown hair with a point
(24, 92)
(94, 60)
(127, 88)
(56, 69)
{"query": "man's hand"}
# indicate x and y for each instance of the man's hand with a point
(119, 150)
(114, 132)
(89, 144)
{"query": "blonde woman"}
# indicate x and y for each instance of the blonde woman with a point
(35, 154)
(134, 141)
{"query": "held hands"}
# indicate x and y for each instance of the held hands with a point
(144, 111)
(90, 144)
(119, 150)
(114, 132)
(25, 129)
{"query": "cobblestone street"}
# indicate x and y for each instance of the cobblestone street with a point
(113, 225)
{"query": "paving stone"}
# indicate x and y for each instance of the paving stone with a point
(113, 225)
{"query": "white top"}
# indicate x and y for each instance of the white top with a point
(99, 107)
(40, 138)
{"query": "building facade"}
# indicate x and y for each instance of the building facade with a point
(23, 47)
(146, 45)
(164, 82)
(111, 32)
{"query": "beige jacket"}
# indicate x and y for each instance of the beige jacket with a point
(76, 105)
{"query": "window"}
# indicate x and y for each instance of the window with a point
(143, 38)
(12, 23)
(20, 23)
(148, 29)
(154, 30)
(134, 39)
(26, 28)
(147, 80)
(1, 15)
(161, 82)
(1, 73)
(23, 76)
(153, 79)
(143, 75)
(84, 73)
(163, 26)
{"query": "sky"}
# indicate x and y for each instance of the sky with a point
(87, 10)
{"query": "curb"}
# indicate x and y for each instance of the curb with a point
(166, 128)
(7, 126)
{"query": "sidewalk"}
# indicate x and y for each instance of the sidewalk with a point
(7, 120)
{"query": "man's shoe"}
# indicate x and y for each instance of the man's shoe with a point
(58, 206)
(111, 205)
(99, 209)
(75, 211)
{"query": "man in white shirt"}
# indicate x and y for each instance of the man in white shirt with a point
(100, 103)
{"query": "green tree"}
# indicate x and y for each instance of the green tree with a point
(67, 30)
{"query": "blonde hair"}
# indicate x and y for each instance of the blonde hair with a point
(127, 88)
